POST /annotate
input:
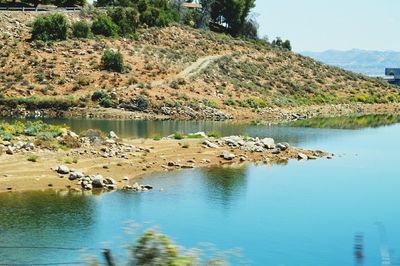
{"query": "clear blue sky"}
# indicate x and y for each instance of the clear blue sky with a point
(317, 25)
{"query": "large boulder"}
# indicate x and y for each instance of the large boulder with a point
(268, 143)
(63, 169)
(98, 181)
(228, 156)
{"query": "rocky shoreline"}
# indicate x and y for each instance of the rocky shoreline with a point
(112, 163)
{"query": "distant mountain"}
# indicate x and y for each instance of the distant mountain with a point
(360, 61)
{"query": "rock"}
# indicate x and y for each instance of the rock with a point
(210, 144)
(228, 156)
(171, 163)
(110, 141)
(29, 146)
(268, 143)
(10, 150)
(72, 134)
(205, 161)
(112, 135)
(125, 178)
(110, 181)
(88, 186)
(242, 158)
(302, 156)
(111, 187)
(283, 146)
(98, 181)
(76, 175)
(276, 151)
(63, 169)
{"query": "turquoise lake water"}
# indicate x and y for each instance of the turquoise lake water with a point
(303, 213)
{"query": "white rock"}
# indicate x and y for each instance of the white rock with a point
(112, 135)
(268, 143)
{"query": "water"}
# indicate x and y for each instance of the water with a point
(149, 128)
(304, 213)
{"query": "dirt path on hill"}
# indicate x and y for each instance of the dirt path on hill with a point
(192, 70)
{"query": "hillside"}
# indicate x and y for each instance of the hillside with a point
(359, 61)
(180, 72)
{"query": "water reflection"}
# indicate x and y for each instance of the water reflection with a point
(148, 128)
(348, 122)
(225, 185)
(34, 218)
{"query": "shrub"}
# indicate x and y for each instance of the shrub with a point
(195, 136)
(107, 102)
(70, 142)
(70, 160)
(112, 61)
(50, 27)
(99, 95)
(81, 29)
(127, 20)
(157, 137)
(157, 17)
(33, 158)
(178, 136)
(33, 102)
(214, 134)
(103, 25)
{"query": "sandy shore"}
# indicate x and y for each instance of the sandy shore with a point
(147, 156)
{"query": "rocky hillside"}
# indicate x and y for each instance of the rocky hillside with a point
(176, 71)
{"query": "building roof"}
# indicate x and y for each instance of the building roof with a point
(191, 5)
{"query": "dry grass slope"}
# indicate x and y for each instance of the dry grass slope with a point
(243, 75)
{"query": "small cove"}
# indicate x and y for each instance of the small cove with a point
(303, 213)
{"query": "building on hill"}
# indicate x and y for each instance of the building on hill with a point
(393, 75)
(191, 5)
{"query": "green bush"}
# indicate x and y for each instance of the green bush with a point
(157, 137)
(50, 27)
(33, 102)
(112, 61)
(81, 29)
(127, 20)
(104, 25)
(33, 158)
(107, 103)
(214, 134)
(178, 136)
(99, 95)
(158, 17)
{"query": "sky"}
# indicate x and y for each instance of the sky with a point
(318, 25)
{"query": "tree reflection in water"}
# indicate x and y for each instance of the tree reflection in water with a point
(225, 184)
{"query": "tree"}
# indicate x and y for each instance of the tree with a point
(127, 19)
(232, 15)
(103, 25)
(279, 43)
